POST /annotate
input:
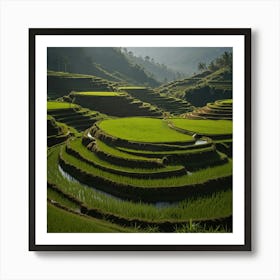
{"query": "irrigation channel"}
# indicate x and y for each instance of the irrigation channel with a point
(67, 176)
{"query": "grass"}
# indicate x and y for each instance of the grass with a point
(54, 195)
(207, 127)
(225, 102)
(117, 153)
(142, 130)
(68, 75)
(216, 205)
(160, 154)
(97, 93)
(131, 88)
(60, 220)
(55, 105)
(201, 176)
(195, 227)
(77, 146)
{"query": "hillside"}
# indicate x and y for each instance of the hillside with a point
(62, 83)
(107, 63)
(181, 59)
(201, 89)
(159, 71)
(214, 82)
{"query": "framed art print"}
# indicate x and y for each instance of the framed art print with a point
(140, 139)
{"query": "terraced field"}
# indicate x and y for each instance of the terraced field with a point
(172, 105)
(202, 88)
(62, 83)
(132, 159)
(218, 110)
(142, 174)
(57, 132)
(114, 104)
(72, 115)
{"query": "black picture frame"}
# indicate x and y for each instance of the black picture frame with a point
(246, 32)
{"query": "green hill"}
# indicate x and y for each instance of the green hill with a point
(108, 63)
(159, 71)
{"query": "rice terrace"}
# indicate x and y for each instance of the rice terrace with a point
(136, 144)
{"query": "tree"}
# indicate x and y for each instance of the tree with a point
(227, 59)
(212, 66)
(201, 66)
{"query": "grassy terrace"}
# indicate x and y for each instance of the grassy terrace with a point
(207, 127)
(68, 75)
(168, 104)
(216, 205)
(97, 93)
(70, 222)
(218, 110)
(161, 154)
(73, 115)
(197, 177)
(131, 88)
(142, 130)
(117, 153)
(225, 102)
(84, 153)
(55, 105)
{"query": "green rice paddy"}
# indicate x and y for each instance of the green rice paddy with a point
(197, 177)
(142, 130)
(205, 127)
(55, 105)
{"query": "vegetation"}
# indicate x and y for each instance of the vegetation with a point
(168, 104)
(219, 110)
(55, 105)
(125, 157)
(155, 69)
(200, 176)
(212, 83)
(215, 205)
(204, 127)
(71, 116)
(110, 103)
(71, 222)
(108, 63)
(142, 130)
(93, 93)
(181, 59)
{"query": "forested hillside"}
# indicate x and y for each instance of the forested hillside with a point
(158, 70)
(182, 59)
(107, 63)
